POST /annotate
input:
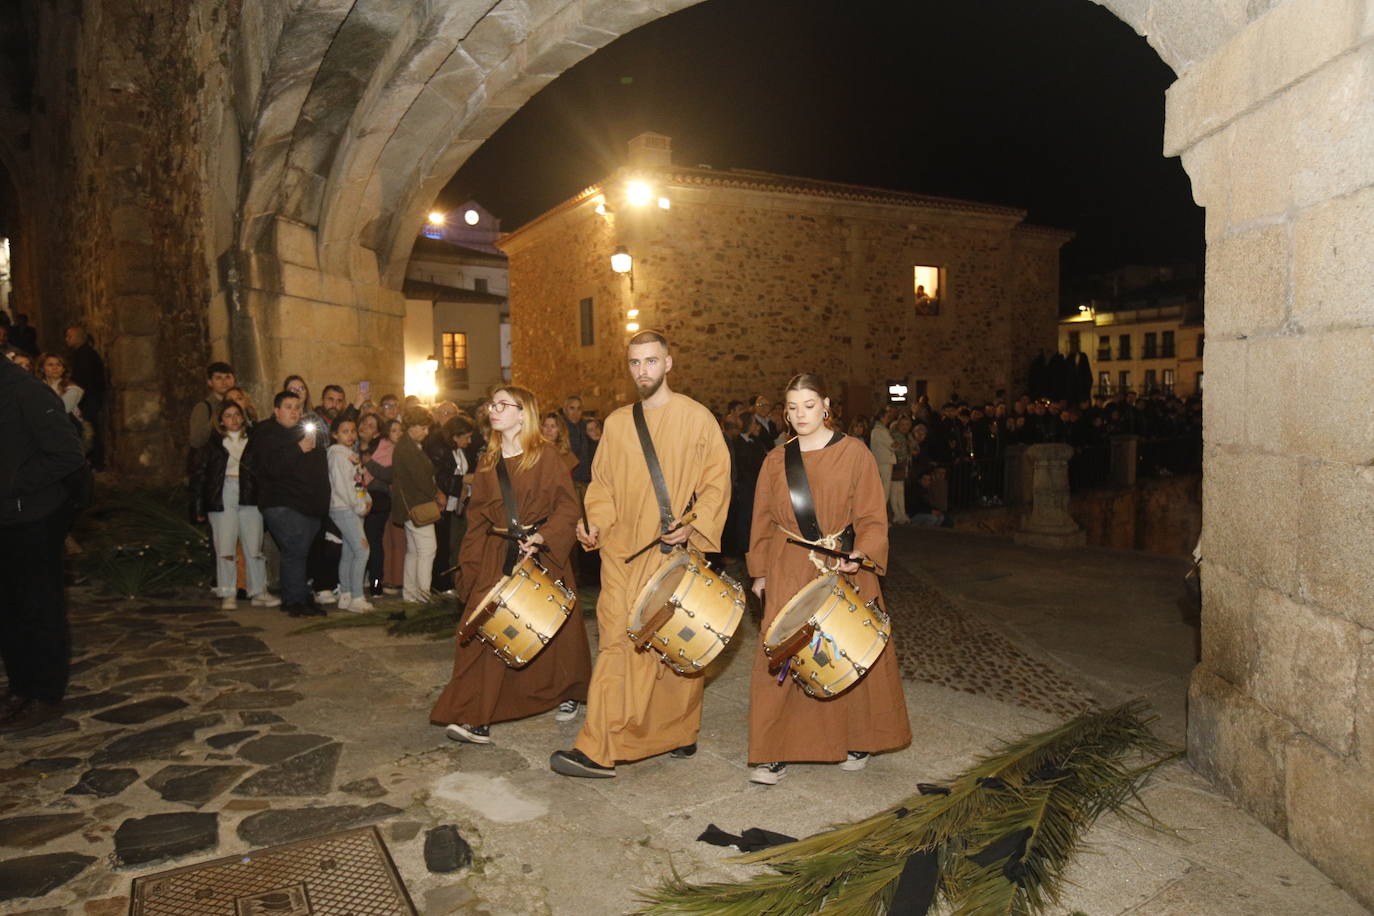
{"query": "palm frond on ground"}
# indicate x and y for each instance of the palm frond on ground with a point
(140, 542)
(995, 839)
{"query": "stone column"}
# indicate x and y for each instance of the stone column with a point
(1125, 457)
(1049, 523)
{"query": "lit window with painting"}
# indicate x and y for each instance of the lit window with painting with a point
(926, 286)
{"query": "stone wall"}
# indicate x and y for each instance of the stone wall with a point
(754, 287)
(1276, 129)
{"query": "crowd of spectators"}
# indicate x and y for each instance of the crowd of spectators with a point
(362, 501)
(75, 371)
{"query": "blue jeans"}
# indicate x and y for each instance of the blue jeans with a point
(238, 524)
(353, 558)
(293, 531)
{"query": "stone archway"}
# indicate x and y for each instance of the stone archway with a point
(310, 136)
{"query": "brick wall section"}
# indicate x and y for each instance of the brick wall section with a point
(753, 287)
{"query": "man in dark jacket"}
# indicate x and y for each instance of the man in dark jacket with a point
(39, 447)
(291, 474)
(88, 371)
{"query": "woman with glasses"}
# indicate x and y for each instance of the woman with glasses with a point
(483, 689)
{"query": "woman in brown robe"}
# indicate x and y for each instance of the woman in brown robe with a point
(786, 724)
(483, 689)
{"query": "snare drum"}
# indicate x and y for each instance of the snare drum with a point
(520, 614)
(830, 635)
(687, 612)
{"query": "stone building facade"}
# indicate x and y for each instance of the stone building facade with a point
(246, 178)
(755, 277)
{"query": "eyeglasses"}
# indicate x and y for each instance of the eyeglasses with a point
(498, 406)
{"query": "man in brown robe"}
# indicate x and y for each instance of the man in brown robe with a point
(483, 688)
(638, 707)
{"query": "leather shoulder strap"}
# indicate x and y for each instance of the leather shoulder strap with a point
(800, 490)
(665, 508)
(512, 514)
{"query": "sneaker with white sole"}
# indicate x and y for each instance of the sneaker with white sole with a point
(768, 774)
(265, 600)
(567, 711)
(857, 760)
(360, 605)
(472, 734)
(345, 599)
(326, 596)
(229, 604)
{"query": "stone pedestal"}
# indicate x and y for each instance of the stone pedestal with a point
(1049, 524)
(1125, 458)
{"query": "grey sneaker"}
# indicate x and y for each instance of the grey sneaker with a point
(768, 774)
(567, 711)
(857, 760)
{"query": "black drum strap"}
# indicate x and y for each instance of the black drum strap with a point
(803, 506)
(512, 515)
(665, 506)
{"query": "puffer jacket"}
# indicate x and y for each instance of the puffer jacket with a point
(39, 447)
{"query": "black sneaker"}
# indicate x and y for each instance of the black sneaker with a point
(576, 763)
(684, 752)
(472, 734)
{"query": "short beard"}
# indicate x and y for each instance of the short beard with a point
(646, 393)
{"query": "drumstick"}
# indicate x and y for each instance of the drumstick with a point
(865, 562)
(691, 517)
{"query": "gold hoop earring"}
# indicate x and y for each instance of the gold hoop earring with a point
(825, 415)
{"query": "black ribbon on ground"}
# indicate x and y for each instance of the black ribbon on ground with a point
(991, 782)
(1010, 850)
(751, 840)
(916, 885)
(930, 788)
(512, 516)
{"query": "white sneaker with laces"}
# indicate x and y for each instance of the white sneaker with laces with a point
(328, 596)
(857, 761)
(768, 774)
(567, 711)
(229, 604)
(345, 599)
(360, 605)
(266, 600)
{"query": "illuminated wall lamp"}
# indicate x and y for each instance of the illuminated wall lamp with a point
(632, 326)
(638, 193)
(664, 203)
(621, 262)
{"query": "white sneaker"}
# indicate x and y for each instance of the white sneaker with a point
(266, 600)
(360, 605)
(857, 760)
(345, 599)
(567, 711)
(768, 774)
(328, 596)
(229, 604)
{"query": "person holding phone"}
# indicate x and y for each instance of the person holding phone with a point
(292, 476)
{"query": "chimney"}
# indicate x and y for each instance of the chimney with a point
(649, 150)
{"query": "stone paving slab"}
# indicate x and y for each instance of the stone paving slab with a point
(286, 734)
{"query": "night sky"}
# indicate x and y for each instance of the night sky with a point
(1055, 106)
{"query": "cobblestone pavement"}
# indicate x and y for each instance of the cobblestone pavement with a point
(192, 734)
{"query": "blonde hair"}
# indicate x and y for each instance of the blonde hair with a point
(532, 442)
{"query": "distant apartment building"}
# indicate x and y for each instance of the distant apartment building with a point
(755, 277)
(1145, 335)
(457, 327)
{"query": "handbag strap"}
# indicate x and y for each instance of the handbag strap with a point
(512, 515)
(665, 508)
(799, 487)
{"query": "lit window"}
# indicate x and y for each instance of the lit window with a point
(455, 350)
(926, 289)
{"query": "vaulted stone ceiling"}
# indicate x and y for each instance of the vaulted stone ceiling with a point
(357, 112)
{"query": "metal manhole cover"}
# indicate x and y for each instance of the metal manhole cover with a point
(343, 874)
